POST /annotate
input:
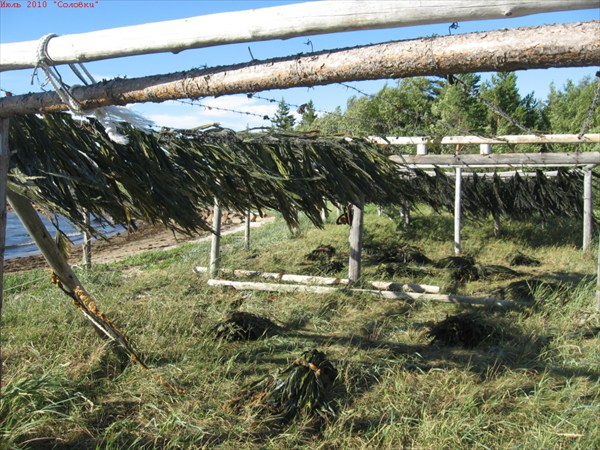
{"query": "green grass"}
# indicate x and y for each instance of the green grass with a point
(538, 387)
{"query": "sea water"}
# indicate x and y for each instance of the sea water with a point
(19, 243)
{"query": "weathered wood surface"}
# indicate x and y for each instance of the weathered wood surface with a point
(394, 295)
(355, 239)
(457, 211)
(215, 241)
(323, 281)
(4, 159)
(564, 45)
(281, 22)
(482, 140)
(499, 160)
(587, 209)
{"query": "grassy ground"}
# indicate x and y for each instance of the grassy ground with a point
(536, 386)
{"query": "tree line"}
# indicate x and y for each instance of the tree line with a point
(456, 105)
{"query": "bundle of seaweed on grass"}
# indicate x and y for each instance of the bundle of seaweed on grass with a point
(324, 260)
(531, 290)
(465, 269)
(302, 389)
(403, 270)
(322, 253)
(244, 326)
(402, 253)
(521, 259)
(467, 330)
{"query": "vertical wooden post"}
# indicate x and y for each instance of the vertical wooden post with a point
(324, 212)
(598, 281)
(379, 210)
(4, 157)
(587, 208)
(356, 232)
(215, 241)
(87, 243)
(457, 210)
(485, 149)
(405, 214)
(247, 231)
(497, 228)
(421, 149)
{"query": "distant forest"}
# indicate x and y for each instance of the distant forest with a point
(457, 105)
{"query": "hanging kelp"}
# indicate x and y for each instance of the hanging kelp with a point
(66, 165)
(518, 197)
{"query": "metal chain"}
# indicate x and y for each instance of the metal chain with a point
(590, 113)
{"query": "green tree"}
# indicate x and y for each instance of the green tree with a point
(309, 116)
(283, 120)
(457, 107)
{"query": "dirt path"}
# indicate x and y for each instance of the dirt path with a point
(121, 245)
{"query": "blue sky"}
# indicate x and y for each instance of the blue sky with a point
(31, 23)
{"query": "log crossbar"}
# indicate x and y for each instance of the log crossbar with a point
(280, 22)
(499, 160)
(563, 45)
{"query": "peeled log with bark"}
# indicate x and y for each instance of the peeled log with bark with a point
(564, 45)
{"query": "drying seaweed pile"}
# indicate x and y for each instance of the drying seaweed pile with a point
(531, 289)
(464, 269)
(402, 253)
(467, 330)
(64, 165)
(244, 326)
(518, 197)
(324, 259)
(304, 388)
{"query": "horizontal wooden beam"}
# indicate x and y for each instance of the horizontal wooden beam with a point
(392, 295)
(565, 45)
(593, 138)
(281, 22)
(499, 160)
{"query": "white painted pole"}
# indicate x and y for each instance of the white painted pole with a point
(356, 232)
(457, 210)
(587, 208)
(421, 149)
(485, 149)
(280, 22)
(87, 243)
(247, 231)
(215, 240)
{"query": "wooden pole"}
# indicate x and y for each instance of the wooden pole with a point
(485, 149)
(247, 231)
(457, 210)
(70, 283)
(356, 232)
(327, 281)
(563, 45)
(87, 243)
(589, 138)
(215, 241)
(393, 295)
(421, 149)
(587, 208)
(4, 160)
(573, 159)
(598, 281)
(281, 22)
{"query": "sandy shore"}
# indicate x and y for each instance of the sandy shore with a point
(147, 237)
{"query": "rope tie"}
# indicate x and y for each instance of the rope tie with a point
(108, 116)
(45, 62)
